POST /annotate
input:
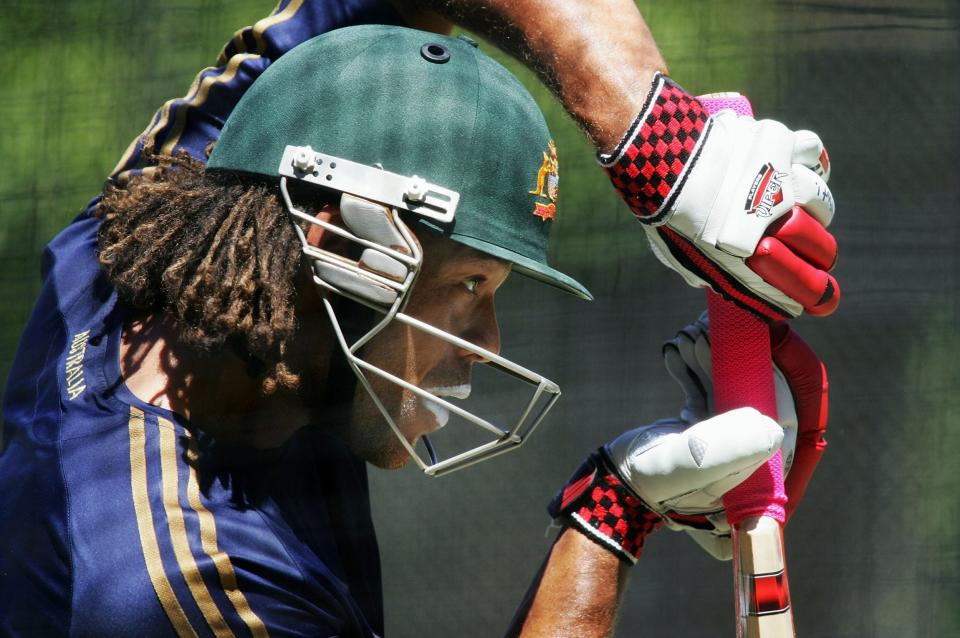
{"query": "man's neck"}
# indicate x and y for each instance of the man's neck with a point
(213, 391)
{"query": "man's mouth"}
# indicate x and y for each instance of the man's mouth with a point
(440, 412)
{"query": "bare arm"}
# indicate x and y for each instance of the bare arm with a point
(576, 594)
(597, 56)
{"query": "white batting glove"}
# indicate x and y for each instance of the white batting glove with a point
(731, 203)
(681, 471)
(675, 471)
(688, 361)
(657, 459)
(669, 473)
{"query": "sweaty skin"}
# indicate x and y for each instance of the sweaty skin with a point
(575, 595)
(455, 292)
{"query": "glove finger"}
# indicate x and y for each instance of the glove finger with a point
(809, 150)
(704, 322)
(811, 192)
(804, 372)
(701, 350)
(816, 290)
(731, 444)
(686, 340)
(693, 390)
(691, 331)
(699, 361)
(807, 237)
(720, 547)
(808, 380)
(683, 342)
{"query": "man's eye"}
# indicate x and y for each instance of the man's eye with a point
(471, 284)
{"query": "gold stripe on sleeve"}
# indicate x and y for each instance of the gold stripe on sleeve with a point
(230, 71)
(127, 154)
(208, 539)
(148, 538)
(201, 96)
(149, 134)
(238, 41)
(178, 532)
(193, 97)
(262, 25)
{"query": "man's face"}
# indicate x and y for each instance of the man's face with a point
(455, 293)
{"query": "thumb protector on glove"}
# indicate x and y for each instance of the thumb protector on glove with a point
(671, 466)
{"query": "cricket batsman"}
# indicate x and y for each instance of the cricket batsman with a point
(291, 273)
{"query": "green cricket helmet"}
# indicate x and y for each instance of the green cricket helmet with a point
(402, 120)
(412, 103)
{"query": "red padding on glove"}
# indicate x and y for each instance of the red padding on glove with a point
(808, 381)
(743, 375)
(816, 290)
(807, 237)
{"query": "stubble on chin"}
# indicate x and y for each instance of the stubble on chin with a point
(370, 437)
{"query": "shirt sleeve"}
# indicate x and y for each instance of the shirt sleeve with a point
(193, 122)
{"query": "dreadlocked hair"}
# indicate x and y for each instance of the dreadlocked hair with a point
(217, 252)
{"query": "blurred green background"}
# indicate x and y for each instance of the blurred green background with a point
(874, 549)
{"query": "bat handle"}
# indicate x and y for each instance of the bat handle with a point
(743, 376)
(760, 573)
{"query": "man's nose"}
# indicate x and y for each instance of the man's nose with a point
(483, 330)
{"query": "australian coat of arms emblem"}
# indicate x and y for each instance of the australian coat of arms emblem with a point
(548, 184)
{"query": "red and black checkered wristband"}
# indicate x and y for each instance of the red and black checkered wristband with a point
(597, 503)
(653, 159)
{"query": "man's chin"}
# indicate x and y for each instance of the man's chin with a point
(388, 455)
(393, 461)
(371, 438)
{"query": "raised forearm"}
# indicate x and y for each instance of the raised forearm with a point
(577, 593)
(597, 56)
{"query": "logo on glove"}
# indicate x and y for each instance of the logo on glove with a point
(765, 192)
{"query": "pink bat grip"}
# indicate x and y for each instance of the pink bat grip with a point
(743, 376)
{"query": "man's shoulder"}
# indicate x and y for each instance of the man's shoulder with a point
(58, 353)
(214, 541)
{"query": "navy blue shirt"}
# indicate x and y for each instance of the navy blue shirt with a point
(118, 518)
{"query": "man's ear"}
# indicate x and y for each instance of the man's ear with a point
(320, 237)
(360, 267)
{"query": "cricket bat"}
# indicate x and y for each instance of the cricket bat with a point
(743, 376)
